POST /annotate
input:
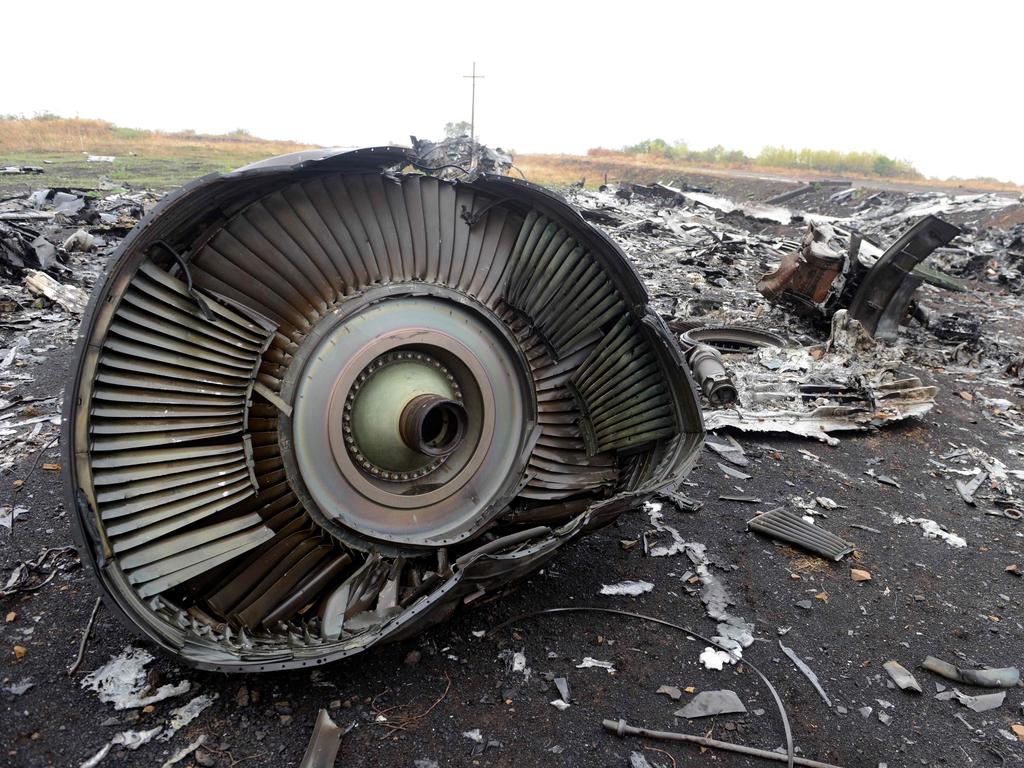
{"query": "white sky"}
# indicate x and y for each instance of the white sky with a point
(937, 83)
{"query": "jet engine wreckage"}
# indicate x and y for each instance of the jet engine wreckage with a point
(321, 401)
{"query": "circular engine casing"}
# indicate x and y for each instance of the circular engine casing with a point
(321, 401)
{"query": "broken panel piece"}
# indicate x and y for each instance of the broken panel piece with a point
(784, 525)
(885, 291)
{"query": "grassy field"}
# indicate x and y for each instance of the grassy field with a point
(149, 159)
(161, 161)
(601, 165)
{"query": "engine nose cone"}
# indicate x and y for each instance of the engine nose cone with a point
(404, 412)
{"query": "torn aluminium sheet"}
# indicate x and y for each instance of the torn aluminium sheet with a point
(733, 632)
(850, 383)
(631, 588)
(122, 681)
(932, 530)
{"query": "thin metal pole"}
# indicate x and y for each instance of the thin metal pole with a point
(472, 115)
(621, 728)
(85, 638)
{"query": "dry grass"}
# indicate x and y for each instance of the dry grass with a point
(602, 165)
(152, 159)
(164, 160)
(97, 137)
(801, 562)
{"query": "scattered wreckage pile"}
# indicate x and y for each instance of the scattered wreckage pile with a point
(818, 323)
(207, 332)
(52, 244)
(821, 334)
(814, 335)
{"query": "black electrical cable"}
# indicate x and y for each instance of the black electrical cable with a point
(472, 217)
(428, 168)
(199, 300)
(790, 754)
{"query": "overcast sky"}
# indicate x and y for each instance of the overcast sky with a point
(936, 83)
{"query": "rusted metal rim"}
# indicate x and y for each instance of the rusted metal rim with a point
(731, 338)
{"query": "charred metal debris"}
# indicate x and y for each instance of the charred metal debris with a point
(836, 268)
(459, 155)
(820, 342)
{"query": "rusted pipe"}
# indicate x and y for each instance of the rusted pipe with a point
(621, 728)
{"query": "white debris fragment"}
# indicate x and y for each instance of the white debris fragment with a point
(18, 689)
(93, 761)
(184, 752)
(559, 705)
(733, 632)
(71, 297)
(712, 658)
(982, 702)
(185, 714)
(932, 530)
(519, 662)
(632, 588)
(9, 514)
(676, 546)
(826, 503)
(122, 680)
(135, 739)
(589, 662)
(474, 735)
(757, 211)
(516, 662)
(127, 739)
(80, 241)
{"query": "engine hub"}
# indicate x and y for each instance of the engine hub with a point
(355, 447)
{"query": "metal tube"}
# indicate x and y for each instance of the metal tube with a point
(621, 728)
(713, 379)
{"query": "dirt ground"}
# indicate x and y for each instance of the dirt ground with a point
(410, 704)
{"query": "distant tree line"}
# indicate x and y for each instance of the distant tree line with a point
(824, 160)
